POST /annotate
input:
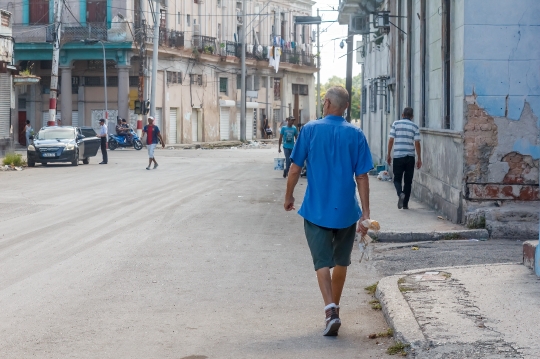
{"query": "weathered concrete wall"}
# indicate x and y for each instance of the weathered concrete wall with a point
(439, 183)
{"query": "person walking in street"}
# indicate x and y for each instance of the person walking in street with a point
(103, 136)
(404, 139)
(152, 136)
(339, 159)
(287, 136)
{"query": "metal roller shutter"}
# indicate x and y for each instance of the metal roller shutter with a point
(5, 103)
(157, 121)
(75, 118)
(224, 115)
(249, 124)
(171, 136)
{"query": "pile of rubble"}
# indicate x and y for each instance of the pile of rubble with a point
(11, 168)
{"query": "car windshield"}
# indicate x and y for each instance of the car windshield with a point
(57, 134)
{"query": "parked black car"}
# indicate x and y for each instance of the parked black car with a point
(63, 144)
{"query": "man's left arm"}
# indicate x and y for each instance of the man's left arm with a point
(362, 183)
(161, 139)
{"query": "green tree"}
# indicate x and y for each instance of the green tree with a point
(356, 92)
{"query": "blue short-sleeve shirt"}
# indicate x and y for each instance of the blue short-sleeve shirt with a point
(336, 152)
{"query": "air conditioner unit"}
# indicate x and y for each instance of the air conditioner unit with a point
(381, 19)
(360, 25)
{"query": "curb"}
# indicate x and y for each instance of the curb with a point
(398, 314)
(382, 236)
(529, 253)
(396, 309)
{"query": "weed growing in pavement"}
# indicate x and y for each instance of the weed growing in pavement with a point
(401, 280)
(398, 348)
(388, 333)
(14, 159)
(372, 288)
(405, 289)
(452, 236)
(447, 275)
(375, 304)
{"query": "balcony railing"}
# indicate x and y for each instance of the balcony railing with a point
(73, 32)
(204, 43)
(167, 37)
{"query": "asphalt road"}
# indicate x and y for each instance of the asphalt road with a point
(196, 259)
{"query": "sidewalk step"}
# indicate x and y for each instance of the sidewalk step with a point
(529, 251)
(391, 236)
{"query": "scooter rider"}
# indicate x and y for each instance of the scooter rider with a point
(127, 130)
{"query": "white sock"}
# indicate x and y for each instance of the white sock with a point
(331, 305)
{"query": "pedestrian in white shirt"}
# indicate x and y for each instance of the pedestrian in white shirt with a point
(103, 135)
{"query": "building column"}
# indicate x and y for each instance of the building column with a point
(66, 105)
(123, 91)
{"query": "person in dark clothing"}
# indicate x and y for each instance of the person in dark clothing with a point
(404, 140)
(103, 135)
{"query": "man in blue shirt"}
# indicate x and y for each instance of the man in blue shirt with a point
(338, 158)
(288, 135)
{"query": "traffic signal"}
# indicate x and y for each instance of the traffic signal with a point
(146, 107)
(138, 108)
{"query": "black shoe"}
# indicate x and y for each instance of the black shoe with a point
(400, 201)
(103, 163)
(405, 207)
(284, 175)
(332, 323)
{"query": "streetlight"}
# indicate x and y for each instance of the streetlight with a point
(93, 42)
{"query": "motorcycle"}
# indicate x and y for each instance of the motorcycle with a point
(116, 141)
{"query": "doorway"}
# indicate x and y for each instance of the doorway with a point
(22, 125)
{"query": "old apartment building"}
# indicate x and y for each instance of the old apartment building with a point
(470, 69)
(198, 78)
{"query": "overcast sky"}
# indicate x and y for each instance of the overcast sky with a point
(331, 64)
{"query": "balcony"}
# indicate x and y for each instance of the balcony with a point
(167, 37)
(204, 43)
(73, 32)
(298, 58)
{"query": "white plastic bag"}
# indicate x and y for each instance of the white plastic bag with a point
(363, 243)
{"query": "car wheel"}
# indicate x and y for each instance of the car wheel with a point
(86, 160)
(31, 163)
(113, 145)
(137, 144)
(75, 161)
(44, 163)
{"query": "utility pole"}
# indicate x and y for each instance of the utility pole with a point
(348, 79)
(318, 69)
(243, 76)
(55, 59)
(155, 61)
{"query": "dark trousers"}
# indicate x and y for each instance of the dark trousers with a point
(104, 149)
(404, 172)
(287, 152)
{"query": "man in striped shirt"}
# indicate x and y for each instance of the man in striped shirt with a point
(404, 139)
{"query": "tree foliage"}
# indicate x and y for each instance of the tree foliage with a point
(356, 92)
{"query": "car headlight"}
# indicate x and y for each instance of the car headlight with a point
(31, 148)
(70, 147)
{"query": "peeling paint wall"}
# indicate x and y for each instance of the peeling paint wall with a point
(502, 87)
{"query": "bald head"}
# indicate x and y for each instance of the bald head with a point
(336, 101)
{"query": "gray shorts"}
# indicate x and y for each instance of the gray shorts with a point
(151, 149)
(330, 247)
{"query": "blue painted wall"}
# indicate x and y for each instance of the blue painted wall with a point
(502, 55)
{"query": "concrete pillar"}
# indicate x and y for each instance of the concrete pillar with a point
(66, 105)
(123, 92)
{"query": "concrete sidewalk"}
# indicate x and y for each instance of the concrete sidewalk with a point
(418, 223)
(485, 311)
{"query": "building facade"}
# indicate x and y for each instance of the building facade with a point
(198, 71)
(6, 82)
(470, 69)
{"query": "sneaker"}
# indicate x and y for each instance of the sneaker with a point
(148, 168)
(156, 166)
(405, 207)
(400, 202)
(332, 322)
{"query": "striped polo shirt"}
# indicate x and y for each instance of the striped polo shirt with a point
(404, 132)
